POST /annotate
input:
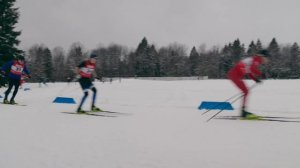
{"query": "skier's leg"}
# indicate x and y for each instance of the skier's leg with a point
(94, 96)
(86, 93)
(10, 85)
(16, 84)
(94, 108)
(241, 85)
(84, 87)
(234, 77)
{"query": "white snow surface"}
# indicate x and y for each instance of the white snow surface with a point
(162, 127)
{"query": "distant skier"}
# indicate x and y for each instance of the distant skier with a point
(86, 70)
(42, 80)
(69, 80)
(248, 66)
(16, 69)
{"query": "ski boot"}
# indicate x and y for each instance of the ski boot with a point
(96, 109)
(80, 111)
(5, 101)
(249, 116)
(12, 102)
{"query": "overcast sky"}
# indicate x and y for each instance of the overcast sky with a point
(126, 22)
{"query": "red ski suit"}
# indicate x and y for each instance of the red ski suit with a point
(247, 66)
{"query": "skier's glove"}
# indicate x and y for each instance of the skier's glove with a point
(264, 76)
(29, 76)
(76, 78)
(99, 78)
(258, 80)
(3, 73)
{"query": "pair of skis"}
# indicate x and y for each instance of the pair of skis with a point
(262, 118)
(16, 104)
(99, 113)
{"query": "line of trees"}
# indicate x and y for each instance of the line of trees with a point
(173, 60)
(145, 61)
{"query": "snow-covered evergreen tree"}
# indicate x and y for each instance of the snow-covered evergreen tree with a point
(174, 60)
(252, 49)
(275, 64)
(40, 63)
(194, 61)
(74, 58)
(294, 63)
(9, 16)
(58, 64)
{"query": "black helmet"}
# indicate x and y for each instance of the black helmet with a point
(21, 57)
(265, 53)
(93, 55)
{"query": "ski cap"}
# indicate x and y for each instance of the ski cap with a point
(265, 53)
(93, 55)
(21, 57)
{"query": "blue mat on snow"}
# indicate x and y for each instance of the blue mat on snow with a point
(215, 106)
(1, 97)
(67, 100)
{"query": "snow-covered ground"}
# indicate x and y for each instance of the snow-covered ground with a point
(162, 127)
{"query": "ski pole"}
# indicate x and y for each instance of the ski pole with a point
(253, 86)
(234, 96)
(67, 86)
(217, 105)
(222, 110)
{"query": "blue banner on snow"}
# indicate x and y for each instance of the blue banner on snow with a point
(208, 105)
(67, 100)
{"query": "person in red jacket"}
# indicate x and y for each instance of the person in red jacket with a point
(86, 70)
(247, 67)
(16, 68)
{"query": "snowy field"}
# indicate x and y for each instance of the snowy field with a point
(162, 127)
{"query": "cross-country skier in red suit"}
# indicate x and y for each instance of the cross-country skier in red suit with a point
(247, 67)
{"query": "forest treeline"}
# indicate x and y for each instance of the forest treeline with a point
(149, 61)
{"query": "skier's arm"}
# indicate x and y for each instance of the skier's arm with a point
(26, 71)
(254, 67)
(77, 69)
(80, 66)
(254, 70)
(256, 79)
(255, 74)
(6, 66)
(95, 74)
